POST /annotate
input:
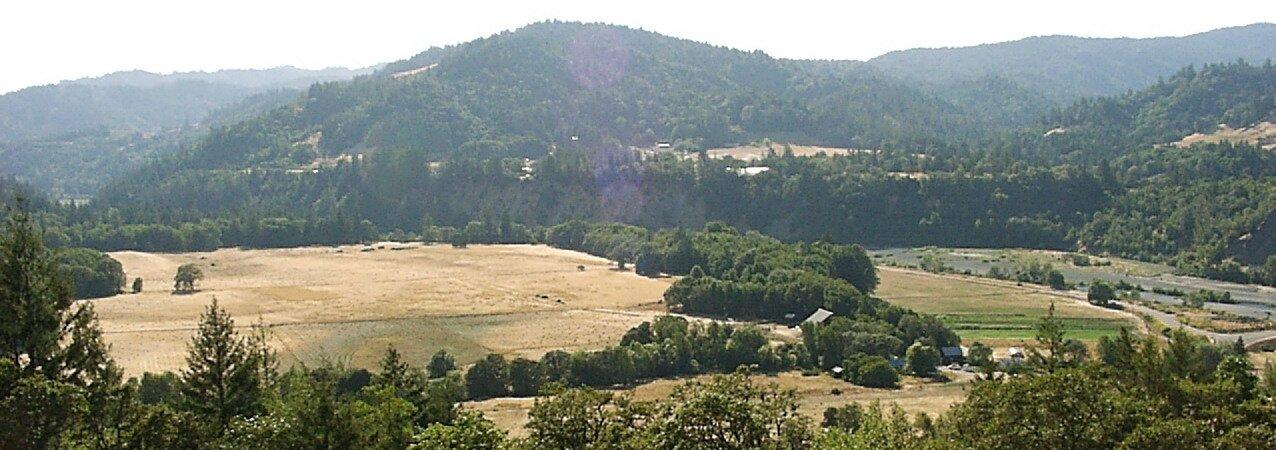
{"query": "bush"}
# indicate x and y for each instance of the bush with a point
(1101, 293)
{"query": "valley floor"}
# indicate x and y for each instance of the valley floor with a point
(348, 304)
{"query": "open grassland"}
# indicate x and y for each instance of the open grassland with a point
(994, 312)
(756, 152)
(1261, 134)
(814, 393)
(348, 305)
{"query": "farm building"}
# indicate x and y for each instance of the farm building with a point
(949, 355)
(819, 316)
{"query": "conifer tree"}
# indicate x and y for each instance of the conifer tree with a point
(55, 372)
(225, 373)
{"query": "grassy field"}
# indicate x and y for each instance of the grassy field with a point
(756, 152)
(815, 394)
(348, 305)
(993, 312)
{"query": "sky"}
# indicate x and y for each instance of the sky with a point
(45, 41)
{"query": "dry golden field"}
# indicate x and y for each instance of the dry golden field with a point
(756, 152)
(348, 305)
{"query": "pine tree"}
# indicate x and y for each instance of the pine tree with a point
(224, 374)
(1050, 336)
(395, 372)
(55, 373)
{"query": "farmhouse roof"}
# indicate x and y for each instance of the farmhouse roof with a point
(951, 351)
(819, 316)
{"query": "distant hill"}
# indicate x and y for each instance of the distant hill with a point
(70, 137)
(1065, 68)
(141, 101)
(285, 77)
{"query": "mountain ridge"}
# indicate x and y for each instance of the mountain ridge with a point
(1072, 67)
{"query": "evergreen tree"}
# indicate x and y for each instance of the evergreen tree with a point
(395, 372)
(55, 373)
(224, 374)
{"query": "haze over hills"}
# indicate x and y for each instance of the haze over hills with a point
(142, 101)
(1065, 68)
(287, 77)
(70, 137)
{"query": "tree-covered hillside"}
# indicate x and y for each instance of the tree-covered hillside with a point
(1066, 68)
(70, 138)
(138, 101)
(1194, 100)
(524, 92)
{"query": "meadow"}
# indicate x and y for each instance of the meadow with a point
(995, 312)
(347, 304)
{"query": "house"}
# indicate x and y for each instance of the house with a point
(1015, 352)
(664, 144)
(819, 316)
(897, 363)
(949, 355)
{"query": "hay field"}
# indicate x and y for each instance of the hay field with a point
(348, 305)
(756, 152)
(994, 312)
(814, 394)
(1260, 134)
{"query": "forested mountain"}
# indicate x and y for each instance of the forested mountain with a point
(523, 92)
(1194, 100)
(141, 101)
(1066, 68)
(71, 137)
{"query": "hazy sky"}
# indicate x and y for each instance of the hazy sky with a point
(44, 41)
